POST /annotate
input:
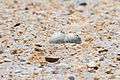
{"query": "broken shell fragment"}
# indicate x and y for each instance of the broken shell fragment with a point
(71, 38)
(104, 50)
(51, 59)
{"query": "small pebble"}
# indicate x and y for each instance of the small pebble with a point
(83, 4)
(71, 78)
(0, 36)
(62, 65)
(118, 56)
(17, 24)
(17, 71)
(49, 69)
(92, 64)
(7, 60)
(88, 38)
(104, 50)
(108, 71)
(1, 52)
(14, 52)
(1, 61)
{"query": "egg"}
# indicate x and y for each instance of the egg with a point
(72, 38)
(57, 37)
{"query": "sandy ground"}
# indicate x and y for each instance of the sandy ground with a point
(25, 29)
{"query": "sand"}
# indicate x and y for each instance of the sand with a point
(27, 54)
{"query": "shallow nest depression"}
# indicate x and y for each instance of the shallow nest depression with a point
(27, 54)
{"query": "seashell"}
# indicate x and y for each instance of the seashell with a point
(51, 59)
(57, 37)
(71, 38)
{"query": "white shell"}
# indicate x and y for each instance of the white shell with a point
(57, 37)
(72, 38)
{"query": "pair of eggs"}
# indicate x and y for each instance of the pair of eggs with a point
(59, 37)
